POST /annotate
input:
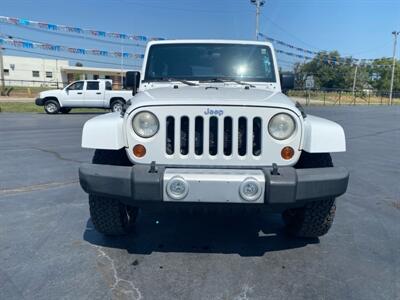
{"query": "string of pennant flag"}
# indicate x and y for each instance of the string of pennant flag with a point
(45, 46)
(75, 30)
(301, 53)
(326, 57)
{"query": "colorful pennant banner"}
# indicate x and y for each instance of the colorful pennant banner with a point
(327, 58)
(80, 51)
(76, 30)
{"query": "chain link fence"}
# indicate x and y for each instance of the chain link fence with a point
(30, 88)
(343, 97)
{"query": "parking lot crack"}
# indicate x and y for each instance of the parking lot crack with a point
(120, 288)
(58, 155)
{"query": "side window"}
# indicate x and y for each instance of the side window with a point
(77, 86)
(92, 86)
(108, 86)
(35, 74)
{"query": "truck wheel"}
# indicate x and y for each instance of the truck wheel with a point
(51, 107)
(109, 216)
(316, 217)
(65, 110)
(117, 105)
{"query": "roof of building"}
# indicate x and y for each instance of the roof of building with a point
(93, 69)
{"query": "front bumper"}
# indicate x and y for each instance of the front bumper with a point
(39, 101)
(142, 184)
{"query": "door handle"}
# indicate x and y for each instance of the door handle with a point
(79, 93)
(98, 93)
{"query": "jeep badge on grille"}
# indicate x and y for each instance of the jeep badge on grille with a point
(214, 112)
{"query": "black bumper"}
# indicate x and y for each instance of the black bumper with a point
(39, 101)
(139, 185)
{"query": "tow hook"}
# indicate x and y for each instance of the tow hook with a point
(274, 169)
(153, 168)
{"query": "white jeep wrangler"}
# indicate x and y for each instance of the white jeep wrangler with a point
(208, 125)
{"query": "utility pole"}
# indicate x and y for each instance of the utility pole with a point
(3, 88)
(355, 79)
(258, 4)
(395, 34)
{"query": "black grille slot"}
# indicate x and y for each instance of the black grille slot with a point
(213, 134)
(184, 135)
(242, 136)
(257, 136)
(170, 136)
(198, 135)
(228, 136)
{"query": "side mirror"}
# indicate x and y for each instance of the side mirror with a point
(287, 82)
(132, 80)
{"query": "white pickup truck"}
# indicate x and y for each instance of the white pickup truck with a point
(83, 93)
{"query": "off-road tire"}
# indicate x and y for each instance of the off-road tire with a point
(316, 217)
(51, 107)
(109, 215)
(65, 110)
(117, 105)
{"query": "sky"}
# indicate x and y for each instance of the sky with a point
(360, 28)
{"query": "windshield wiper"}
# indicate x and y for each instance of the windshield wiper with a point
(170, 79)
(229, 80)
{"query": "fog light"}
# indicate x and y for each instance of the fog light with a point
(250, 189)
(139, 150)
(177, 188)
(287, 152)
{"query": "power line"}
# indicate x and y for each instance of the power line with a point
(126, 43)
(72, 29)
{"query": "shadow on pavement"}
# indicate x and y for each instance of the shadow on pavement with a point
(163, 231)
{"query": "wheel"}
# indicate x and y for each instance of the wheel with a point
(316, 217)
(109, 216)
(65, 110)
(51, 107)
(117, 105)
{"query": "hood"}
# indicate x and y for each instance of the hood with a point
(212, 95)
(49, 93)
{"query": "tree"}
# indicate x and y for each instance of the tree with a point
(331, 71)
(380, 72)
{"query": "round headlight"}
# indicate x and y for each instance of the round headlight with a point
(281, 126)
(145, 124)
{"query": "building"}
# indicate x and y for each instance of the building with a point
(41, 72)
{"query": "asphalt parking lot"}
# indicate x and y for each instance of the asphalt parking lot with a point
(49, 249)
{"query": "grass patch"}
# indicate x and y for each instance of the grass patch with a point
(32, 107)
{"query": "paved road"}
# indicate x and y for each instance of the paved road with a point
(49, 250)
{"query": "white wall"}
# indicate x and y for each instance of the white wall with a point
(21, 74)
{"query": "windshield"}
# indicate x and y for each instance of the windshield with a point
(210, 62)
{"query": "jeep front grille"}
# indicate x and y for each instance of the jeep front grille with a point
(200, 135)
(214, 135)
